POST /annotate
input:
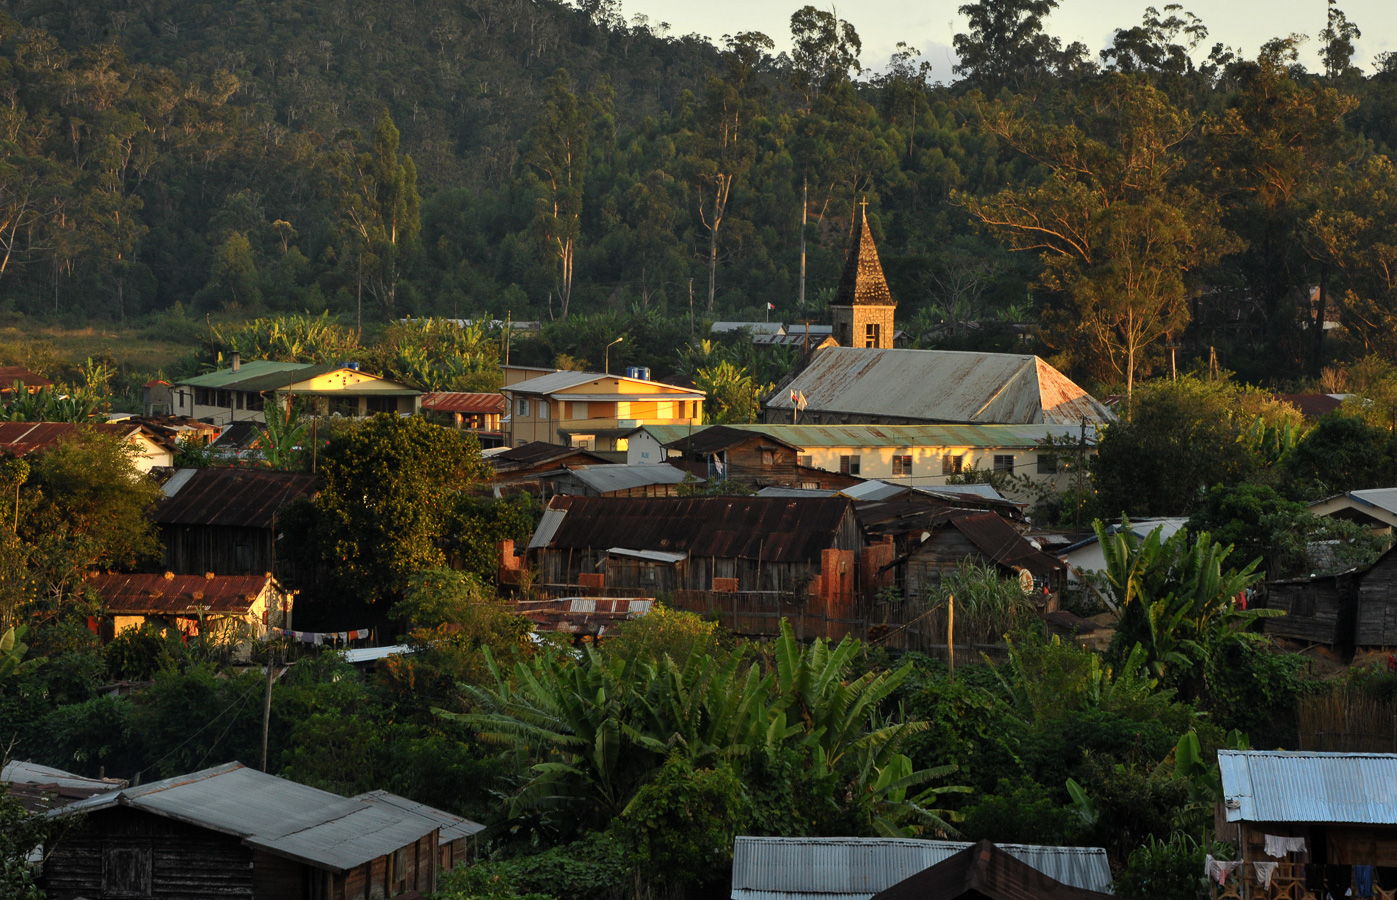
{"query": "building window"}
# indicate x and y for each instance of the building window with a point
(952, 465)
(126, 872)
(768, 457)
(543, 409)
(521, 406)
(902, 464)
(808, 461)
(1004, 463)
(870, 334)
(256, 402)
(579, 409)
(1047, 464)
(382, 404)
(583, 441)
(201, 397)
(348, 407)
(849, 465)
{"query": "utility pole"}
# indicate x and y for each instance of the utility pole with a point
(804, 215)
(691, 308)
(951, 635)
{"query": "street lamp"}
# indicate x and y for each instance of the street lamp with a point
(607, 353)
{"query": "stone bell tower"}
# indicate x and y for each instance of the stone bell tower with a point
(862, 311)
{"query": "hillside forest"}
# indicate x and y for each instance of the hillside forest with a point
(541, 161)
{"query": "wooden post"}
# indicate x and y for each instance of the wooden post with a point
(267, 705)
(951, 635)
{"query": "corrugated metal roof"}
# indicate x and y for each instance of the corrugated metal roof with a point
(452, 825)
(536, 453)
(941, 385)
(966, 436)
(770, 528)
(1002, 543)
(239, 498)
(249, 373)
(985, 872)
(606, 479)
(1382, 498)
(754, 327)
(18, 772)
(282, 817)
(21, 438)
(460, 402)
(767, 868)
(660, 556)
(713, 438)
(356, 655)
(171, 593)
(1278, 786)
(10, 374)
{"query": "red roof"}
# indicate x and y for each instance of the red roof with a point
(178, 593)
(1313, 406)
(457, 402)
(10, 374)
(21, 438)
(156, 382)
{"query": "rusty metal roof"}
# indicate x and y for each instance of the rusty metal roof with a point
(999, 540)
(453, 826)
(458, 402)
(178, 594)
(10, 374)
(775, 529)
(986, 872)
(581, 615)
(538, 452)
(21, 438)
(941, 386)
(239, 498)
(713, 438)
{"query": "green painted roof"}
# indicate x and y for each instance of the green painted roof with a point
(256, 372)
(969, 436)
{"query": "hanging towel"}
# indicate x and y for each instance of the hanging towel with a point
(1218, 869)
(1363, 881)
(1264, 871)
(1279, 846)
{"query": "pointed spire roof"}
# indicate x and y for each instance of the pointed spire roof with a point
(863, 283)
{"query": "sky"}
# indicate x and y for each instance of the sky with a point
(929, 25)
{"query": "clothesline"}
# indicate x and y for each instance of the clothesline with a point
(316, 638)
(1337, 881)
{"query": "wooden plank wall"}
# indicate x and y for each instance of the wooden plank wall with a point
(196, 549)
(186, 862)
(1377, 605)
(1315, 611)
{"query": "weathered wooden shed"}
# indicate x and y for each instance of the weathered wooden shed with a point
(932, 541)
(757, 460)
(234, 833)
(456, 842)
(224, 520)
(1375, 614)
(1319, 609)
(662, 545)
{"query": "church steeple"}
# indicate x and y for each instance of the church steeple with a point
(863, 306)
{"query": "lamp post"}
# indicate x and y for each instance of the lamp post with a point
(607, 353)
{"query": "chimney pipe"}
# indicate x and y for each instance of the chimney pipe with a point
(237, 361)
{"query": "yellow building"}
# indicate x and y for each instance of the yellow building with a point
(241, 392)
(235, 608)
(584, 409)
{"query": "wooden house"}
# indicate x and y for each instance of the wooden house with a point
(860, 868)
(1375, 613)
(239, 607)
(1331, 810)
(930, 541)
(617, 481)
(751, 458)
(759, 551)
(224, 520)
(477, 413)
(234, 833)
(152, 448)
(1318, 609)
(527, 461)
(456, 842)
(985, 872)
(31, 382)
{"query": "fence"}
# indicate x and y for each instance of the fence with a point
(1347, 721)
(897, 625)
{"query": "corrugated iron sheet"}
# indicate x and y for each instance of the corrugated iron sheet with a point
(985, 870)
(1002, 543)
(10, 374)
(606, 479)
(282, 817)
(858, 437)
(21, 438)
(452, 825)
(185, 594)
(775, 529)
(459, 402)
(1276, 786)
(714, 438)
(241, 498)
(941, 385)
(857, 868)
